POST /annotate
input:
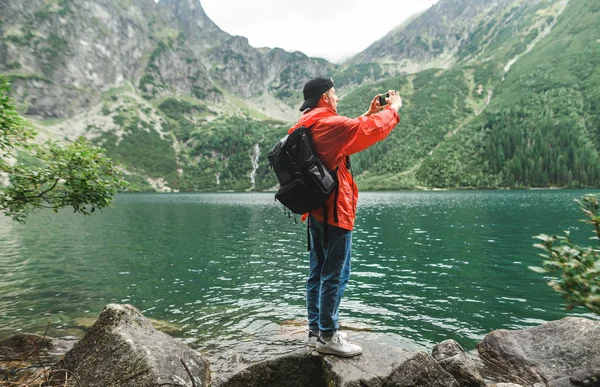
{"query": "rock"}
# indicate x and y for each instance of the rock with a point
(379, 366)
(559, 353)
(586, 380)
(23, 357)
(123, 349)
(28, 345)
(453, 359)
(66, 76)
(420, 371)
(161, 325)
(463, 370)
(301, 368)
(446, 349)
(383, 365)
(376, 362)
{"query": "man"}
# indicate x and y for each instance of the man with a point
(336, 138)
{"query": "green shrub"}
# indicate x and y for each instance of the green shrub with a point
(146, 79)
(54, 50)
(576, 269)
(175, 108)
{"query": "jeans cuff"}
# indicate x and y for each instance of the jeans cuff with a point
(327, 334)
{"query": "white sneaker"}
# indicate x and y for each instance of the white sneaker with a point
(337, 345)
(313, 337)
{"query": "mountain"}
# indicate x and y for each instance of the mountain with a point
(432, 38)
(189, 18)
(130, 72)
(497, 93)
(516, 109)
(63, 54)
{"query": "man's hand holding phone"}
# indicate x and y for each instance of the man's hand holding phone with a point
(391, 98)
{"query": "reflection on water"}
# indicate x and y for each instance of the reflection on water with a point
(225, 268)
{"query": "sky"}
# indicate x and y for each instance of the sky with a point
(330, 29)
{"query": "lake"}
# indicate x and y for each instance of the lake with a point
(220, 268)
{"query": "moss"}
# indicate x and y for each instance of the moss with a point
(145, 80)
(198, 92)
(176, 108)
(119, 120)
(53, 51)
(14, 66)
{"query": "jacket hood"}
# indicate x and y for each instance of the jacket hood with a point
(313, 115)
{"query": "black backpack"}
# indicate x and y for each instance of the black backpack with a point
(305, 183)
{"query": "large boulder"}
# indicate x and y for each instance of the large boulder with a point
(123, 349)
(562, 353)
(380, 365)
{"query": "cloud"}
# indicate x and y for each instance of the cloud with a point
(330, 29)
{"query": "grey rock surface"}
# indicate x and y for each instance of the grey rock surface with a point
(373, 367)
(446, 349)
(378, 366)
(420, 371)
(123, 349)
(453, 359)
(24, 357)
(29, 345)
(69, 53)
(553, 354)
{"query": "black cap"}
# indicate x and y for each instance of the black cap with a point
(313, 89)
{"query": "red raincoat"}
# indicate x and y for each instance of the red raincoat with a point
(336, 137)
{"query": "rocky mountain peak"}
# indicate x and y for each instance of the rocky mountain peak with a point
(191, 19)
(432, 34)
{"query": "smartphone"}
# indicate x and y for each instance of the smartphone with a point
(382, 97)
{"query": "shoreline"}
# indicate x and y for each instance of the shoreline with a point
(123, 347)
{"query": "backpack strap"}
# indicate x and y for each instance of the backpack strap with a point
(325, 238)
(308, 233)
(335, 200)
(326, 224)
(335, 206)
(337, 190)
(349, 166)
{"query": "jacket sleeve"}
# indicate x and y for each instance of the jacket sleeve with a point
(366, 131)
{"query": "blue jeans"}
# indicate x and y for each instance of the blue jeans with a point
(328, 276)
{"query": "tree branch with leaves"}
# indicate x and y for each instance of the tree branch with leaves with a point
(75, 175)
(575, 269)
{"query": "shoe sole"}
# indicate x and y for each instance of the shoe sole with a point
(346, 354)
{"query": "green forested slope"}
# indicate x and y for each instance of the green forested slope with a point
(540, 129)
(226, 148)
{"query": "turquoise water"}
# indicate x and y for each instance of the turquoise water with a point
(427, 266)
